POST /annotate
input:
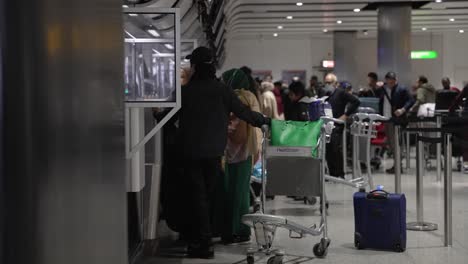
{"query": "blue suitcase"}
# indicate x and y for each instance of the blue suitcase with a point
(380, 220)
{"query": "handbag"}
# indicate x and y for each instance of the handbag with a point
(296, 134)
(426, 110)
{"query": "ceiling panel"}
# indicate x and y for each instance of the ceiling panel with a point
(259, 17)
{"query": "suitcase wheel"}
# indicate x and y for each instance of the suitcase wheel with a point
(250, 260)
(358, 246)
(398, 248)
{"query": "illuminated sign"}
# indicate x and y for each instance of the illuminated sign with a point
(328, 64)
(424, 55)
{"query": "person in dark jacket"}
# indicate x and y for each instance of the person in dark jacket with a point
(395, 101)
(447, 95)
(373, 86)
(203, 121)
(338, 100)
(298, 109)
(462, 101)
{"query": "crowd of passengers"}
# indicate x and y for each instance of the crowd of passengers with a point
(213, 143)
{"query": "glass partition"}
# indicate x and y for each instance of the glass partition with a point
(150, 57)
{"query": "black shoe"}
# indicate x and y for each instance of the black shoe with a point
(392, 170)
(236, 240)
(200, 252)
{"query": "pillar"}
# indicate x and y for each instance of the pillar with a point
(344, 50)
(394, 41)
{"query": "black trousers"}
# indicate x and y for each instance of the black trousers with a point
(201, 177)
(334, 153)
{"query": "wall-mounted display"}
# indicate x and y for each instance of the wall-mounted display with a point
(289, 76)
(261, 74)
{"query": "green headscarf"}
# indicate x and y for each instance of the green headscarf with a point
(236, 79)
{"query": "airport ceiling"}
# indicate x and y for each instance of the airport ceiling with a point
(289, 17)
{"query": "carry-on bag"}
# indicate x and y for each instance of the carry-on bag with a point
(380, 220)
(296, 134)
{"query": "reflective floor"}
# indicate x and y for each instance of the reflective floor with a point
(422, 247)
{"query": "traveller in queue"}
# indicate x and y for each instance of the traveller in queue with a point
(339, 99)
(298, 110)
(279, 99)
(314, 87)
(446, 85)
(373, 86)
(203, 121)
(242, 150)
(425, 93)
(395, 101)
(462, 102)
(268, 100)
(447, 95)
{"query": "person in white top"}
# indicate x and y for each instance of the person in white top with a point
(268, 101)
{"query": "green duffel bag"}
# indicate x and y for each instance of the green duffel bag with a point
(296, 134)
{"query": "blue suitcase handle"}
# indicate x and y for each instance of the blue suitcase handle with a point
(377, 195)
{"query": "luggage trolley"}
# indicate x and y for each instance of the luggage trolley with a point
(364, 127)
(312, 184)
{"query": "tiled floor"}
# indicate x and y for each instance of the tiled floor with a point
(422, 247)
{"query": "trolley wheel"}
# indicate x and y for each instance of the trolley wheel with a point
(250, 260)
(358, 246)
(310, 200)
(320, 251)
(275, 260)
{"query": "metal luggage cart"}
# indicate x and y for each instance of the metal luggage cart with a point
(363, 129)
(311, 182)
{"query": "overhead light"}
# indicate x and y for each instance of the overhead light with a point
(461, 31)
(339, 22)
(289, 17)
(134, 15)
(424, 29)
(280, 27)
(125, 6)
(153, 32)
(275, 35)
(452, 19)
(357, 10)
(325, 30)
(438, 1)
(299, 4)
(169, 46)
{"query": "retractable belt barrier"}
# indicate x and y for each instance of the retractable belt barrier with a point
(420, 224)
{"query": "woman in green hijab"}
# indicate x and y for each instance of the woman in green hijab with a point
(242, 150)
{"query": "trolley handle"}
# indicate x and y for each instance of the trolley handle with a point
(366, 110)
(377, 117)
(360, 116)
(327, 119)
